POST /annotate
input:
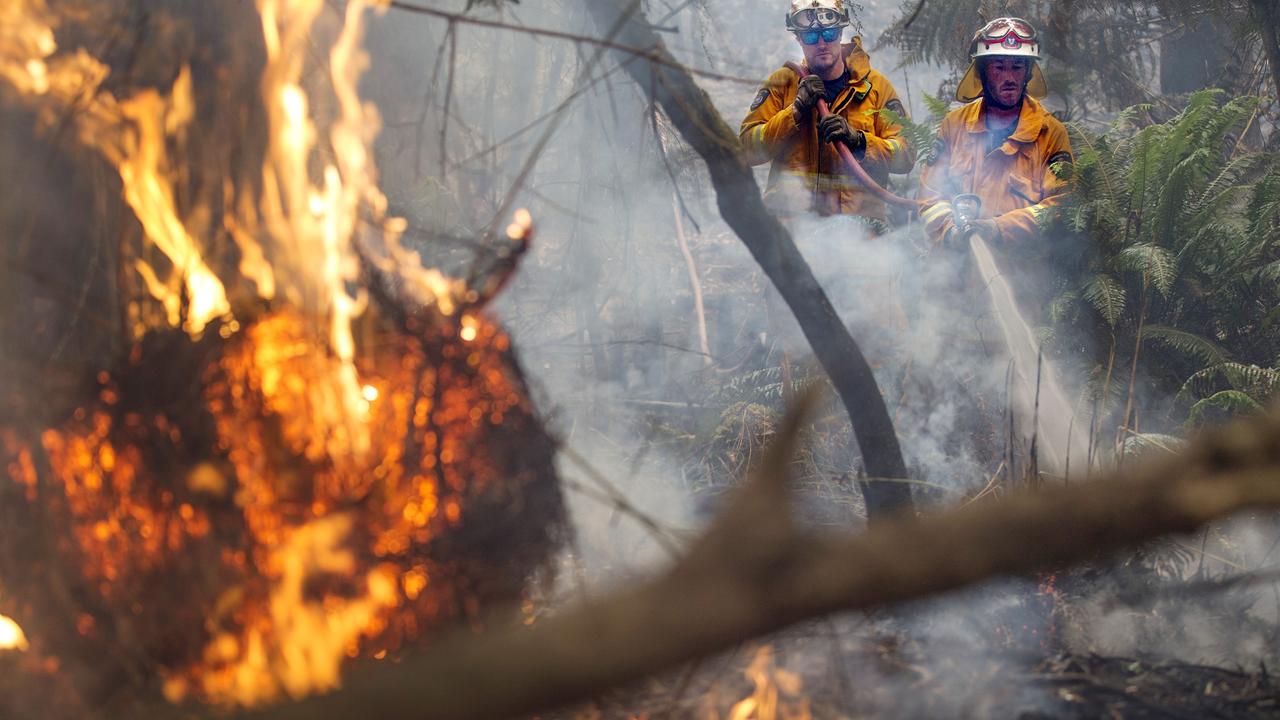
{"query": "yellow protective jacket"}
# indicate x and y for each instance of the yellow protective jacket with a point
(803, 176)
(1014, 179)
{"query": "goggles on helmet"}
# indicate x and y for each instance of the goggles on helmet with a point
(1007, 33)
(816, 19)
(810, 37)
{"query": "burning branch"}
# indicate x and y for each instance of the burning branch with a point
(755, 571)
(300, 444)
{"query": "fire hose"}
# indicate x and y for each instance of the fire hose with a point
(855, 167)
(1032, 390)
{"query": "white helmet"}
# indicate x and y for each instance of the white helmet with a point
(816, 15)
(1006, 37)
(1003, 37)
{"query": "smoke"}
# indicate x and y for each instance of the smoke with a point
(603, 316)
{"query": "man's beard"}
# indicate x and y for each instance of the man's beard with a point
(993, 97)
(835, 59)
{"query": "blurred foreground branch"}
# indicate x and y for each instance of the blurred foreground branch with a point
(755, 571)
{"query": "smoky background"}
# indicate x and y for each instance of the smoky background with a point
(479, 120)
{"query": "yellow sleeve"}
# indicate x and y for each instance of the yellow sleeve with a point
(1024, 223)
(886, 145)
(770, 125)
(935, 181)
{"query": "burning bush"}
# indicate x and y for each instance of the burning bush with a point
(292, 443)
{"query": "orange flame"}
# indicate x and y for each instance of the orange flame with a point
(11, 635)
(131, 133)
(778, 692)
(301, 243)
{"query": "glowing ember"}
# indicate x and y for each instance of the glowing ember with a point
(327, 488)
(11, 636)
(778, 693)
(520, 225)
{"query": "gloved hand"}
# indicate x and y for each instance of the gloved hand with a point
(834, 128)
(985, 227)
(807, 95)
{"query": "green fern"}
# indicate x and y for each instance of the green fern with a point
(1201, 349)
(1228, 402)
(1182, 232)
(1258, 382)
(1156, 264)
(921, 135)
(1106, 296)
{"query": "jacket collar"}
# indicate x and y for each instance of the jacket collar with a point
(857, 60)
(1030, 122)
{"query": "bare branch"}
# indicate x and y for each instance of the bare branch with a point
(700, 314)
(652, 55)
(756, 572)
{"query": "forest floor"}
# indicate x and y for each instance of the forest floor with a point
(1001, 651)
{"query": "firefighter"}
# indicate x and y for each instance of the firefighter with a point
(1001, 146)
(782, 126)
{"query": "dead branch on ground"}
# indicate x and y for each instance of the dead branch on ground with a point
(755, 571)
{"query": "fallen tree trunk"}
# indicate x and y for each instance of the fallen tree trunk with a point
(672, 87)
(756, 572)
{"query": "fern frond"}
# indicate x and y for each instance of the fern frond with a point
(1187, 343)
(1158, 265)
(1258, 382)
(1106, 296)
(1230, 402)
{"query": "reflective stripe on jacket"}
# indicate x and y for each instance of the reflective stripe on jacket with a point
(1014, 179)
(804, 177)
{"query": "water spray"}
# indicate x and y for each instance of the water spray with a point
(1046, 415)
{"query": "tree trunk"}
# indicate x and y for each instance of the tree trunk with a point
(1267, 15)
(670, 85)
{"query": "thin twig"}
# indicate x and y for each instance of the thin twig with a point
(448, 97)
(426, 105)
(581, 88)
(553, 125)
(609, 494)
(692, 267)
(651, 54)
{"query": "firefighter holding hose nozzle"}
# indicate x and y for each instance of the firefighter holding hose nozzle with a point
(1000, 149)
(784, 125)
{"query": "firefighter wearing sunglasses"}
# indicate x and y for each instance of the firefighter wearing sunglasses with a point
(1001, 146)
(782, 125)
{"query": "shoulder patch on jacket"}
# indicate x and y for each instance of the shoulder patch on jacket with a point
(1060, 157)
(896, 106)
(760, 98)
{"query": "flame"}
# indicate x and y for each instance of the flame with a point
(11, 635)
(327, 569)
(131, 133)
(778, 692)
(26, 42)
(389, 449)
(299, 645)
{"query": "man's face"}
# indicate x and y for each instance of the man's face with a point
(821, 56)
(1005, 79)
